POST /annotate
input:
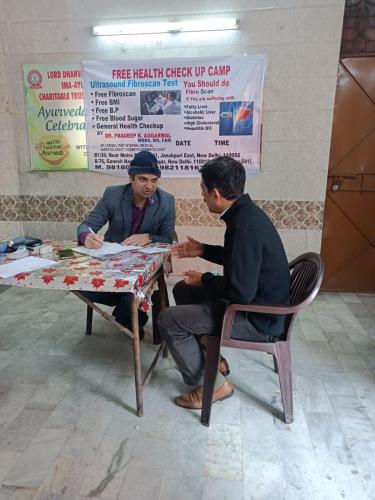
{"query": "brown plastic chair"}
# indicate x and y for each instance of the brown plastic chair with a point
(306, 278)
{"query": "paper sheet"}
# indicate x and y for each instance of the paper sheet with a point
(106, 249)
(24, 265)
(150, 250)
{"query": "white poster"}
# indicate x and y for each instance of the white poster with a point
(185, 111)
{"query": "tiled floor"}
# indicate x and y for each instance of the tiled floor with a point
(68, 429)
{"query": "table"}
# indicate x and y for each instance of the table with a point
(133, 272)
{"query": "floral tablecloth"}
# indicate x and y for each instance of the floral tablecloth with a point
(124, 272)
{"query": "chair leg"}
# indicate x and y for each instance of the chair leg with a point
(275, 364)
(89, 320)
(165, 351)
(210, 373)
(285, 378)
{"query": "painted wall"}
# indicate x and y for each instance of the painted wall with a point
(301, 39)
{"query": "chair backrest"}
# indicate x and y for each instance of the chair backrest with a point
(305, 280)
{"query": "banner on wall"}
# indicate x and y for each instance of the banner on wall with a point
(186, 111)
(55, 116)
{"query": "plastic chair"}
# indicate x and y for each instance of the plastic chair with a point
(306, 278)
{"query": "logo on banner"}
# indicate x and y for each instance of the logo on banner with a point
(35, 79)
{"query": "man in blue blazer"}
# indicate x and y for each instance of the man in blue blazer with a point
(137, 213)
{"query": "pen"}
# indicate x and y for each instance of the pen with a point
(91, 230)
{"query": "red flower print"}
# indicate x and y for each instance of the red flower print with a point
(49, 270)
(47, 278)
(138, 266)
(70, 280)
(126, 271)
(94, 263)
(143, 257)
(97, 282)
(115, 259)
(95, 273)
(121, 283)
(117, 265)
(140, 280)
(21, 276)
(144, 305)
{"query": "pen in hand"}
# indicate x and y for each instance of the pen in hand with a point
(93, 240)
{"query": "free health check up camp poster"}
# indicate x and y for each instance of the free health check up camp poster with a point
(55, 116)
(186, 111)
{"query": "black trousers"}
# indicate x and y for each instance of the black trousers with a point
(194, 315)
(122, 306)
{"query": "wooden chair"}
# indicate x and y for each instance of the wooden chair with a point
(306, 278)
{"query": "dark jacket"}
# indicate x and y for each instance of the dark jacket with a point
(255, 265)
(115, 207)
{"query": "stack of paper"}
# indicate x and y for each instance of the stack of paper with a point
(106, 249)
(24, 265)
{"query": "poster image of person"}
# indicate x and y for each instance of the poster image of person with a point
(161, 103)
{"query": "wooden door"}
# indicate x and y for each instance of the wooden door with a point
(348, 241)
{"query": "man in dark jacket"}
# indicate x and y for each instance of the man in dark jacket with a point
(255, 271)
(137, 213)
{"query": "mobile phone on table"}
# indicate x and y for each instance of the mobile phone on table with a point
(67, 253)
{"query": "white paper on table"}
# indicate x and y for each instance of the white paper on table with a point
(150, 250)
(24, 265)
(106, 249)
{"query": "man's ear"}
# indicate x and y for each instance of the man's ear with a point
(217, 194)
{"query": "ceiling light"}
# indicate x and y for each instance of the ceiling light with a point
(167, 27)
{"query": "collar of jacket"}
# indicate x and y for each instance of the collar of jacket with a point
(240, 202)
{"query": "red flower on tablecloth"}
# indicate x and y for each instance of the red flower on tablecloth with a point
(95, 273)
(21, 276)
(143, 257)
(80, 268)
(144, 305)
(153, 267)
(138, 266)
(94, 263)
(70, 280)
(126, 271)
(117, 265)
(47, 278)
(49, 270)
(140, 280)
(97, 282)
(121, 283)
(115, 259)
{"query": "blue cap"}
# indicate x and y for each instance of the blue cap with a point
(144, 162)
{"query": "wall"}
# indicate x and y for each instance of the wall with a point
(301, 39)
(10, 224)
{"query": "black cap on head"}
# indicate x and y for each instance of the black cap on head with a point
(144, 162)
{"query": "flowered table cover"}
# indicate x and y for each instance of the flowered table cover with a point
(124, 272)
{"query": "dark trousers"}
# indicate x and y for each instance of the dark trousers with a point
(194, 315)
(122, 306)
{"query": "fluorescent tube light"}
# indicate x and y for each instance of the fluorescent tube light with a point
(167, 27)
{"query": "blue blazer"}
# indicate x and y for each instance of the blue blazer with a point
(115, 207)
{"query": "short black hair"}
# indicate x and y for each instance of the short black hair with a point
(225, 174)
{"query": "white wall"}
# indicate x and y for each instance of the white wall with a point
(300, 37)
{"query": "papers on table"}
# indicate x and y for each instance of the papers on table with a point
(24, 265)
(106, 249)
(150, 249)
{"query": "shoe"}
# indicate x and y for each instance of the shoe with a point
(193, 399)
(223, 366)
